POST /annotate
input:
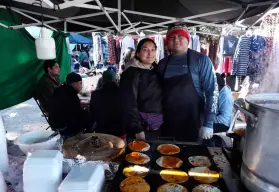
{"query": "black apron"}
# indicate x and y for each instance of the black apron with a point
(182, 107)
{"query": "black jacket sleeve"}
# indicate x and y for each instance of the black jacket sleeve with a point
(129, 87)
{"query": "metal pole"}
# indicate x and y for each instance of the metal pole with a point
(34, 24)
(65, 26)
(68, 4)
(106, 13)
(88, 15)
(123, 14)
(119, 15)
(95, 30)
(133, 26)
(88, 25)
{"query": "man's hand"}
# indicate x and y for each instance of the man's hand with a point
(206, 133)
(140, 136)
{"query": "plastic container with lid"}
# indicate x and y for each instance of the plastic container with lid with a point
(42, 171)
(4, 162)
(84, 178)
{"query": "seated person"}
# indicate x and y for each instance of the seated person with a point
(47, 83)
(66, 114)
(106, 107)
(225, 106)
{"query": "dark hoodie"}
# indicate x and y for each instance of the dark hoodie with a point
(141, 91)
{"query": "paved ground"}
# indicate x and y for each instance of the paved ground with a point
(22, 118)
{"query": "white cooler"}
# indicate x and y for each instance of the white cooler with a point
(42, 171)
(84, 178)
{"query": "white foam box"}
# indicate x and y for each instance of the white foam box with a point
(43, 168)
(84, 178)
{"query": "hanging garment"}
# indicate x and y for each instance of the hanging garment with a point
(230, 44)
(227, 65)
(104, 41)
(195, 43)
(241, 56)
(256, 64)
(160, 47)
(125, 44)
(182, 117)
(220, 55)
(97, 49)
(213, 47)
(111, 50)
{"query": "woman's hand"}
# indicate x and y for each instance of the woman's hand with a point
(140, 136)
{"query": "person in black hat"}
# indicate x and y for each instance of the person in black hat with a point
(66, 114)
(106, 107)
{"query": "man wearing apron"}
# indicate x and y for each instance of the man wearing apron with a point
(190, 89)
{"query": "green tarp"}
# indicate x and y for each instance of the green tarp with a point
(19, 67)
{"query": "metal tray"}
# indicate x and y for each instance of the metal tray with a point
(154, 179)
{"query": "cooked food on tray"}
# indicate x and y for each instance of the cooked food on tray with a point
(200, 161)
(174, 176)
(139, 146)
(135, 170)
(137, 158)
(168, 149)
(134, 184)
(171, 187)
(206, 188)
(169, 162)
(204, 175)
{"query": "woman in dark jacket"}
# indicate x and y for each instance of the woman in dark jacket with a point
(142, 91)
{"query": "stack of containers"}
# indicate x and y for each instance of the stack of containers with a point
(4, 162)
(84, 178)
(42, 171)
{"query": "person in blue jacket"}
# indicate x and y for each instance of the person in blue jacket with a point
(225, 106)
(190, 91)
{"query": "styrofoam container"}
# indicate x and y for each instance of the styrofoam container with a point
(4, 162)
(43, 168)
(29, 141)
(45, 46)
(84, 178)
(3, 186)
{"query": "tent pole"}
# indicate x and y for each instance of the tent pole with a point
(95, 30)
(106, 13)
(241, 15)
(35, 13)
(147, 23)
(186, 19)
(264, 14)
(34, 24)
(65, 26)
(87, 6)
(88, 15)
(3, 25)
(134, 25)
(261, 4)
(68, 4)
(88, 25)
(123, 14)
(119, 15)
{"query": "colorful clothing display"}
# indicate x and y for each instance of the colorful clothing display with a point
(195, 43)
(111, 50)
(230, 44)
(160, 47)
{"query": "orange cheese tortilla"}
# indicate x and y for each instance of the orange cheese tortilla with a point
(135, 170)
(206, 188)
(171, 187)
(137, 158)
(174, 176)
(204, 175)
(169, 162)
(139, 146)
(134, 184)
(168, 149)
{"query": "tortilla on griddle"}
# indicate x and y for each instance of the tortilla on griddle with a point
(171, 187)
(168, 149)
(200, 161)
(135, 170)
(139, 146)
(134, 184)
(206, 188)
(174, 176)
(204, 175)
(137, 158)
(169, 162)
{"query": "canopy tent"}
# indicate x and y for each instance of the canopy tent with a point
(20, 69)
(79, 39)
(131, 16)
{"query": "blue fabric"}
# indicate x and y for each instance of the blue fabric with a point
(225, 106)
(204, 79)
(79, 39)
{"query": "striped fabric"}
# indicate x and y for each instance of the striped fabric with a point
(241, 56)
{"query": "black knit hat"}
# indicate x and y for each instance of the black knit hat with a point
(73, 77)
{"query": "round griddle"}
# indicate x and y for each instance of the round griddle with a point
(94, 147)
